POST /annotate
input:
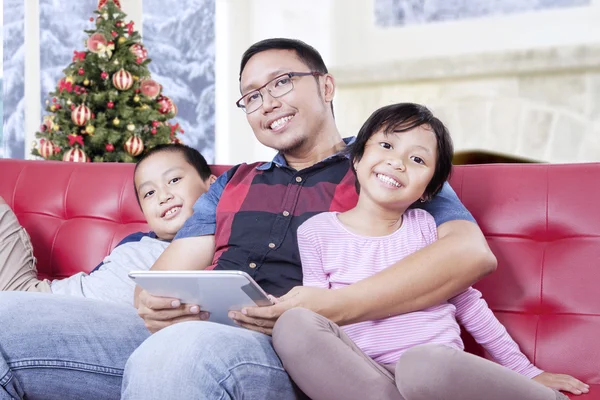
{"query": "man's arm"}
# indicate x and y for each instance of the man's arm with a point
(423, 279)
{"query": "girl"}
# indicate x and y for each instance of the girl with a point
(401, 156)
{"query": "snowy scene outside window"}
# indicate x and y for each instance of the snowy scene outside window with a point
(405, 12)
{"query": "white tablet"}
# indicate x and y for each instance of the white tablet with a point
(217, 292)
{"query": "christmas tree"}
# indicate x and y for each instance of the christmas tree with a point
(107, 107)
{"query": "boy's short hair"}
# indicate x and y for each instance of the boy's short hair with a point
(403, 117)
(191, 156)
(305, 52)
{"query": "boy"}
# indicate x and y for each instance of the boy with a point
(167, 180)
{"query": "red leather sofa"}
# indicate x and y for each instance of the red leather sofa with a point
(541, 221)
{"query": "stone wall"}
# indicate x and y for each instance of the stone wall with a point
(541, 104)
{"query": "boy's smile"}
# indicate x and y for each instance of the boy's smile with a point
(168, 187)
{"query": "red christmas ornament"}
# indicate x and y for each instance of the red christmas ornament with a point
(122, 79)
(114, 34)
(110, 104)
(139, 51)
(104, 75)
(155, 123)
(81, 115)
(165, 105)
(97, 42)
(102, 3)
(153, 131)
(56, 149)
(134, 146)
(109, 147)
(46, 148)
(75, 155)
(58, 106)
(137, 90)
(119, 24)
(91, 19)
(54, 99)
(176, 140)
(81, 71)
(72, 107)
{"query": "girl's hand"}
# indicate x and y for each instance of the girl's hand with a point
(262, 319)
(562, 382)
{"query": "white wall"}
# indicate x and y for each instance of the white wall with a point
(358, 41)
(239, 24)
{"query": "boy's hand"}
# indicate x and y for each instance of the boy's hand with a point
(262, 319)
(562, 382)
(160, 312)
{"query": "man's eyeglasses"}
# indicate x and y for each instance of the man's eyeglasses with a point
(277, 87)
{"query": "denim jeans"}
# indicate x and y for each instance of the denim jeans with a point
(58, 347)
(204, 360)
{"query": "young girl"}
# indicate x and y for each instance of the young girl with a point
(401, 156)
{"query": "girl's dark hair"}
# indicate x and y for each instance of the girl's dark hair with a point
(191, 156)
(403, 117)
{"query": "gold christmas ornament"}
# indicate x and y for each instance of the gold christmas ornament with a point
(86, 82)
(136, 98)
(116, 122)
(55, 127)
(46, 149)
(75, 155)
(131, 127)
(69, 102)
(122, 40)
(81, 115)
(90, 130)
(69, 79)
(52, 108)
(134, 146)
(136, 78)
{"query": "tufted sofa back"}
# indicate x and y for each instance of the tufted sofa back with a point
(541, 221)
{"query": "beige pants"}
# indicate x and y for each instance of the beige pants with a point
(17, 263)
(325, 364)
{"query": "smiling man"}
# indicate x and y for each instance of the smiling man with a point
(249, 218)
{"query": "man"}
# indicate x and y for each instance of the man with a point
(287, 95)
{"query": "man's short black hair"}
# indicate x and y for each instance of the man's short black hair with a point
(403, 117)
(306, 53)
(191, 156)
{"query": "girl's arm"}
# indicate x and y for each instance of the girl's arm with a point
(311, 258)
(477, 318)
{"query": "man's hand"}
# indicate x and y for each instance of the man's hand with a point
(262, 319)
(566, 383)
(160, 312)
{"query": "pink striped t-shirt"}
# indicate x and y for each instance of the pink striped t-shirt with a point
(333, 257)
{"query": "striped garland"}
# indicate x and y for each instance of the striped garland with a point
(122, 79)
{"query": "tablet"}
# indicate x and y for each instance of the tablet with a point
(217, 292)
